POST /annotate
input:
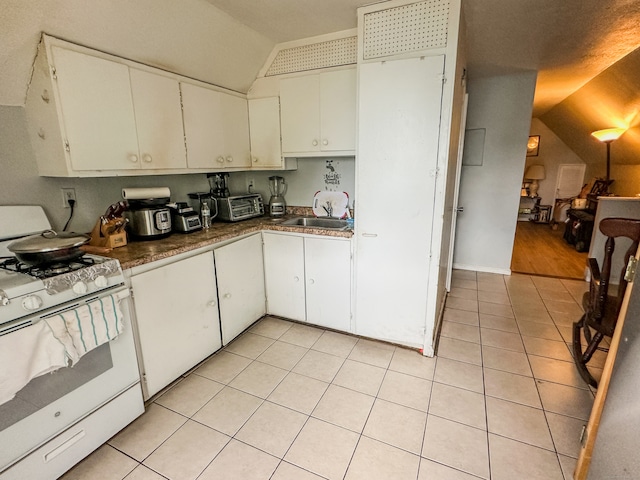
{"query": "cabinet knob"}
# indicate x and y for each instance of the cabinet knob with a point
(229, 159)
(255, 160)
(133, 158)
(212, 303)
(314, 143)
(220, 159)
(296, 279)
(147, 158)
(325, 142)
(227, 295)
(311, 281)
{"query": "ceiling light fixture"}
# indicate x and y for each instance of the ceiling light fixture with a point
(607, 136)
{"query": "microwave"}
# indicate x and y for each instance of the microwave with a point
(240, 207)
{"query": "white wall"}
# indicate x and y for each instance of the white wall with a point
(553, 152)
(490, 193)
(312, 175)
(189, 37)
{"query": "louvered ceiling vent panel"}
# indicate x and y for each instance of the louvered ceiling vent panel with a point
(405, 29)
(333, 53)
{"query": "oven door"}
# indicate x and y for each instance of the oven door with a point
(50, 403)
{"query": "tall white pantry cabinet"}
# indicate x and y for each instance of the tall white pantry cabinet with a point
(408, 79)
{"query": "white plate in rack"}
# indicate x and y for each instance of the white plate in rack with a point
(339, 202)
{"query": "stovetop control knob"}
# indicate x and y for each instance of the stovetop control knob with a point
(101, 281)
(80, 288)
(4, 300)
(31, 302)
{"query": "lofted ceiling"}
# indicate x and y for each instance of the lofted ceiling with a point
(568, 42)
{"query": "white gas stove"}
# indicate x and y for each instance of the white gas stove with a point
(26, 290)
(77, 400)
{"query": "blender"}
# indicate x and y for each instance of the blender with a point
(219, 184)
(276, 202)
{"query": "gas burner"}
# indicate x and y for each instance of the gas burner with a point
(12, 264)
(58, 268)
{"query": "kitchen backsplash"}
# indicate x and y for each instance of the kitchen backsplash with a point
(20, 183)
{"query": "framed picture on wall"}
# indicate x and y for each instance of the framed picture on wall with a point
(533, 146)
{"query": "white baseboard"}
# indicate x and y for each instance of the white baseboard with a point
(481, 268)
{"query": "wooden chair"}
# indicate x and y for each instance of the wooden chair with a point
(601, 309)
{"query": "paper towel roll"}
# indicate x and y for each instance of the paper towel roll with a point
(145, 193)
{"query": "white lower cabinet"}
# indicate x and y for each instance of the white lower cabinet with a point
(309, 279)
(177, 318)
(240, 274)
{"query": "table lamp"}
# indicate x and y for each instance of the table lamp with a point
(535, 173)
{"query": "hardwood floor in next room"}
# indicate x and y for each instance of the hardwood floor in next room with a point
(540, 250)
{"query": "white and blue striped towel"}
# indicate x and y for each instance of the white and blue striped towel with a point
(84, 328)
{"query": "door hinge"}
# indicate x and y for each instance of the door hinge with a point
(131, 292)
(584, 436)
(630, 272)
(66, 146)
(54, 73)
(442, 78)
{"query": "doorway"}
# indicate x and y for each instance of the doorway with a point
(539, 249)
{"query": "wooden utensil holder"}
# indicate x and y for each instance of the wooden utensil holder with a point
(108, 240)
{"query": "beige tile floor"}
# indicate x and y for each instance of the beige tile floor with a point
(285, 401)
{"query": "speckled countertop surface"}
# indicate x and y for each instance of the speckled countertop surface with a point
(137, 253)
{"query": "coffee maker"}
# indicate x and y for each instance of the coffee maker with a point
(218, 184)
(277, 204)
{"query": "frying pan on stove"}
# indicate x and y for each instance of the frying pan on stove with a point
(49, 247)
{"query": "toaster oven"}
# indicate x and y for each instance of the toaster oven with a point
(240, 207)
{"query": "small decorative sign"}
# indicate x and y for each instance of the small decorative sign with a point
(332, 177)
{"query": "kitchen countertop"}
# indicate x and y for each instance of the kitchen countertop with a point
(137, 253)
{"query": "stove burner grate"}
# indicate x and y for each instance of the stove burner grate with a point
(12, 264)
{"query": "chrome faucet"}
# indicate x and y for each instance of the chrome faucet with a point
(328, 209)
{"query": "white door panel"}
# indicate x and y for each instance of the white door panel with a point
(97, 109)
(328, 277)
(240, 274)
(177, 320)
(399, 121)
(156, 101)
(284, 275)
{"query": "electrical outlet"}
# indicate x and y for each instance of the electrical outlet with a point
(250, 184)
(68, 194)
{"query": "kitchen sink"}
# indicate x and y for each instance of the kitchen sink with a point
(315, 222)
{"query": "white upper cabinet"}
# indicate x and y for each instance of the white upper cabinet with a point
(99, 130)
(216, 127)
(156, 102)
(319, 114)
(93, 114)
(264, 125)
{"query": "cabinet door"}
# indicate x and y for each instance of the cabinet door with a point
(97, 111)
(328, 282)
(300, 107)
(264, 127)
(240, 274)
(156, 101)
(236, 131)
(399, 118)
(203, 127)
(338, 110)
(177, 318)
(284, 275)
